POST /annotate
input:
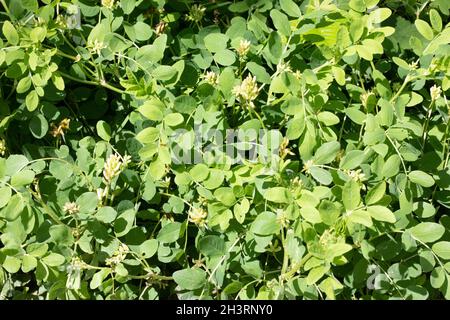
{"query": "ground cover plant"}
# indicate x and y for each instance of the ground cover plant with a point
(216, 149)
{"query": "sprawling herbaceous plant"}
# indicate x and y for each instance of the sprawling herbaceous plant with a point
(217, 149)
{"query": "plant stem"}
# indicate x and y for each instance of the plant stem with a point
(296, 267)
(6, 7)
(405, 83)
(427, 123)
(93, 83)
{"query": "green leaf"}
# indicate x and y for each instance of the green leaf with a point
(326, 153)
(88, 202)
(351, 195)
(124, 222)
(98, 278)
(53, 259)
(364, 52)
(295, 128)
(381, 213)
(32, 100)
(211, 246)
(291, 8)
(427, 231)
(5, 195)
(361, 217)
(259, 72)
(379, 15)
(281, 22)
(421, 178)
(225, 195)
(152, 109)
(23, 85)
(28, 263)
(155, 51)
(391, 166)
(216, 42)
(376, 193)
(164, 73)
(173, 119)
(127, 6)
(339, 75)
(149, 191)
(424, 28)
(169, 233)
(199, 172)
(22, 178)
(277, 195)
(38, 34)
(315, 274)
(31, 5)
(37, 249)
(357, 5)
(103, 130)
(225, 57)
(328, 118)
(10, 33)
(436, 21)
(442, 249)
(106, 214)
(148, 248)
(11, 264)
(184, 104)
(148, 135)
(61, 235)
(38, 126)
(240, 210)
(14, 208)
(265, 224)
(328, 211)
(321, 175)
(190, 279)
(143, 31)
(337, 249)
(352, 160)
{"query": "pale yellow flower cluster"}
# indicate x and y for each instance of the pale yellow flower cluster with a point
(212, 78)
(283, 67)
(308, 165)
(71, 208)
(244, 48)
(282, 218)
(364, 97)
(96, 47)
(110, 4)
(284, 150)
(114, 165)
(435, 92)
(356, 175)
(247, 91)
(197, 216)
(196, 13)
(118, 256)
(2, 147)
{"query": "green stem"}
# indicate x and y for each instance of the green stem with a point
(407, 80)
(285, 255)
(94, 83)
(296, 267)
(6, 7)
(427, 123)
(398, 153)
(68, 76)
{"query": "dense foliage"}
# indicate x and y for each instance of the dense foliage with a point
(118, 179)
